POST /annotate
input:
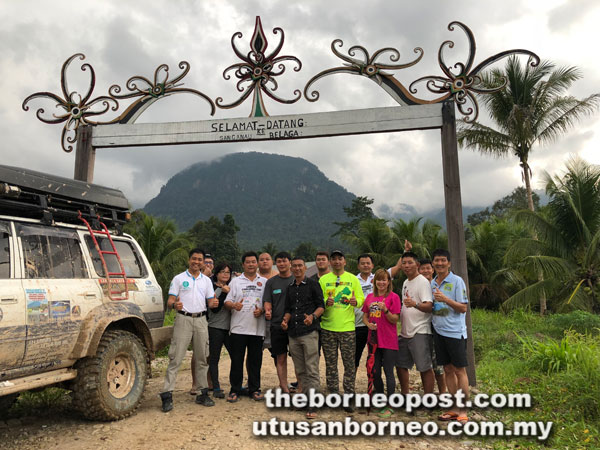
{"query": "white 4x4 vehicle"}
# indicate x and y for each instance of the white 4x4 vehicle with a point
(79, 305)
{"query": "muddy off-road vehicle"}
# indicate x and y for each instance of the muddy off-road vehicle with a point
(79, 305)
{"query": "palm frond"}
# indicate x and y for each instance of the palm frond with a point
(544, 229)
(562, 114)
(551, 266)
(592, 253)
(476, 136)
(578, 300)
(530, 295)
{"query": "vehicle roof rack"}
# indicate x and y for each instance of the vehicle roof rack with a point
(27, 193)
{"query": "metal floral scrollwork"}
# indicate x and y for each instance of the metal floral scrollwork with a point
(149, 91)
(77, 109)
(460, 81)
(257, 72)
(461, 86)
(368, 66)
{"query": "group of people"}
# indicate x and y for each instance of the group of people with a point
(333, 311)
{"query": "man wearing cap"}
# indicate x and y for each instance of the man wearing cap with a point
(190, 294)
(342, 293)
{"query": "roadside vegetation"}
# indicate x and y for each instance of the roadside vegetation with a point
(555, 359)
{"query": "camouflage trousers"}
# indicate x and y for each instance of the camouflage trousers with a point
(346, 342)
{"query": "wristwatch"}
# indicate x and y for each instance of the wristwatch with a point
(314, 316)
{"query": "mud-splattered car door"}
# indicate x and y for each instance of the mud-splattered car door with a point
(12, 303)
(58, 291)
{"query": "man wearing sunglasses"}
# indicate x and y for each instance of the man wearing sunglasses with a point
(342, 293)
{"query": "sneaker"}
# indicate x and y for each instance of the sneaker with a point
(167, 401)
(204, 400)
(218, 393)
(349, 409)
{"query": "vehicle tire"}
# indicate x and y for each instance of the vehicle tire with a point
(110, 385)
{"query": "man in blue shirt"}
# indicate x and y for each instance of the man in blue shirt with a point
(450, 330)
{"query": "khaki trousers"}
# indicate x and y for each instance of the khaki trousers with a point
(305, 354)
(188, 329)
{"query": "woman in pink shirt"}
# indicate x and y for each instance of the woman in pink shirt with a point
(382, 310)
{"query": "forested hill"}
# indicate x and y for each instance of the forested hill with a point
(273, 198)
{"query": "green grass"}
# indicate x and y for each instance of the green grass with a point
(169, 319)
(42, 403)
(545, 357)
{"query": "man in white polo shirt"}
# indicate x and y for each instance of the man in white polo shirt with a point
(190, 294)
(247, 327)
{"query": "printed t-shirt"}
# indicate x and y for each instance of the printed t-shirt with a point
(415, 321)
(367, 287)
(340, 316)
(446, 321)
(250, 292)
(192, 292)
(386, 331)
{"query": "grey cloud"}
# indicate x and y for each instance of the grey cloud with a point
(123, 39)
(566, 15)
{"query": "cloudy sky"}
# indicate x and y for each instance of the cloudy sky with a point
(125, 38)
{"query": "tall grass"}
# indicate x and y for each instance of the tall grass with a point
(556, 360)
(574, 351)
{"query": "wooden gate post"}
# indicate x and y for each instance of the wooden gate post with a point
(454, 220)
(85, 155)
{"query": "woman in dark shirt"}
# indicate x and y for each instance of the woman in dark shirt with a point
(218, 325)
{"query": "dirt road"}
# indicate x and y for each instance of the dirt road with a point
(191, 426)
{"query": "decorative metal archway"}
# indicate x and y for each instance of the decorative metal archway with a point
(257, 74)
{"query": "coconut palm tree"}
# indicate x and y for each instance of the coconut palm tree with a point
(424, 237)
(270, 248)
(532, 109)
(486, 247)
(373, 237)
(166, 250)
(566, 243)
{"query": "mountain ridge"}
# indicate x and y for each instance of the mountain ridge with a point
(273, 198)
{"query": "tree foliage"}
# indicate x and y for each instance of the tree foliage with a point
(218, 238)
(566, 243)
(515, 201)
(533, 109)
(165, 249)
(359, 210)
(306, 250)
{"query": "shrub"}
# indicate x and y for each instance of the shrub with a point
(576, 360)
(581, 321)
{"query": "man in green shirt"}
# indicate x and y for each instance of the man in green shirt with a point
(342, 293)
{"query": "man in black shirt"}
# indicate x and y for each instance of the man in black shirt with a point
(303, 307)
